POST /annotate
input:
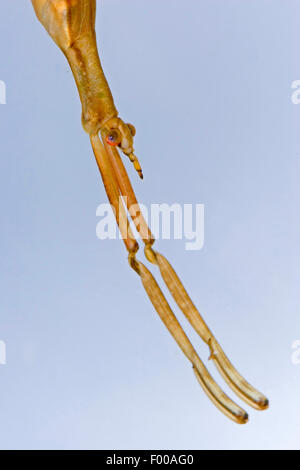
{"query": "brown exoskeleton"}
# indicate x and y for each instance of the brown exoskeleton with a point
(71, 24)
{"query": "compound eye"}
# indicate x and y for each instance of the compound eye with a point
(113, 138)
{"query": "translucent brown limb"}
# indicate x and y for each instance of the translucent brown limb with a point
(71, 24)
(211, 388)
(128, 194)
(234, 379)
(113, 194)
(218, 397)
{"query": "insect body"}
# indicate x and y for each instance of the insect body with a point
(71, 24)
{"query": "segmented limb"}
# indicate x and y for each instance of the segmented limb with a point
(71, 24)
(215, 393)
(238, 384)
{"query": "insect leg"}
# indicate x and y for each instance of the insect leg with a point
(215, 393)
(234, 379)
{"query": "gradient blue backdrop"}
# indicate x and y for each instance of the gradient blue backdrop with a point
(89, 364)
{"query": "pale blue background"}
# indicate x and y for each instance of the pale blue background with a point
(89, 364)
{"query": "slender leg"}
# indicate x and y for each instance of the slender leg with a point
(215, 393)
(238, 384)
(71, 24)
(127, 192)
(113, 193)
